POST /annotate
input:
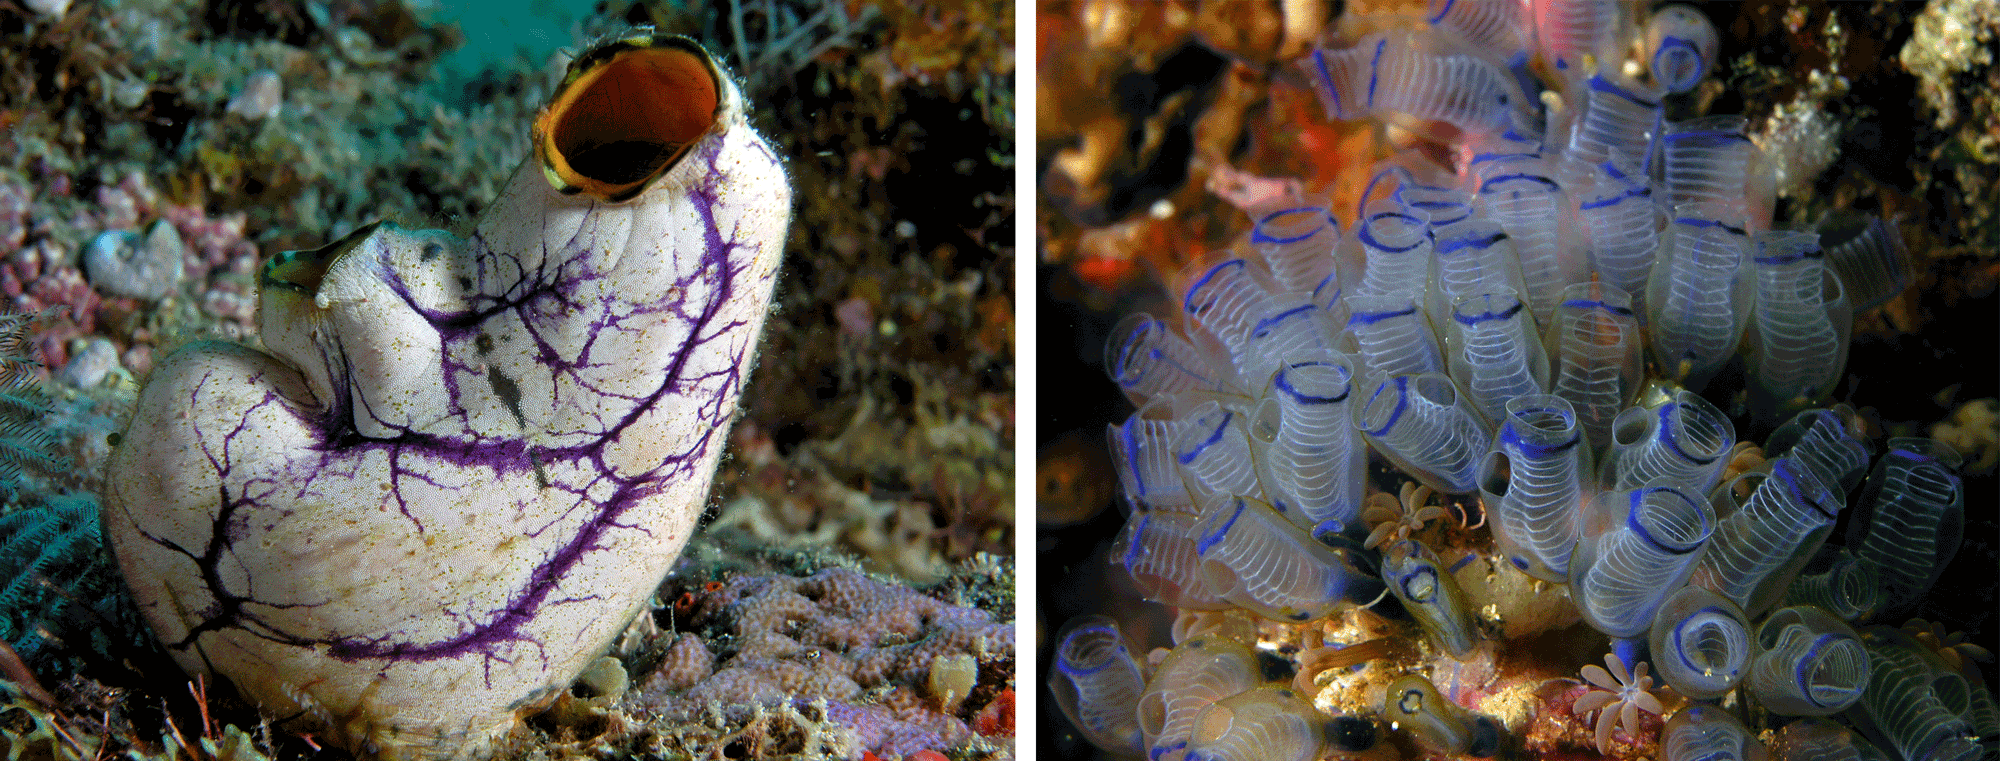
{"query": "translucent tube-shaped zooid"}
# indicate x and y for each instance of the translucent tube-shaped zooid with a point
(1390, 336)
(1226, 299)
(1143, 453)
(1620, 116)
(1420, 423)
(1910, 520)
(1799, 328)
(1501, 27)
(1147, 358)
(1396, 244)
(1708, 733)
(1821, 740)
(1271, 723)
(1637, 547)
(1428, 591)
(1212, 447)
(1708, 160)
(1097, 685)
(1473, 256)
(1397, 76)
(1700, 643)
(1619, 220)
(1297, 330)
(1680, 47)
(1826, 441)
(1297, 244)
(1870, 258)
(1192, 677)
(1438, 724)
(1761, 543)
(1533, 483)
(1495, 354)
(1255, 558)
(1319, 461)
(1699, 296)
(1808, 663)
(1157, 549)
(1595, 353)
(1522, 196)
(1685, 441)
(1845, 587)
(1902, 703)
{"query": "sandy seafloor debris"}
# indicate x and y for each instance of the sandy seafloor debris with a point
(152, 152)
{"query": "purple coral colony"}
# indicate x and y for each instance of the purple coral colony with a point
(1535, 318)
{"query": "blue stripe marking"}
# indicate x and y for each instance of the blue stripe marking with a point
(1511, 437)
(1319, 60)
(1206, 277)
(1481, 242)
(1284, 384)
(1374, 70)
(1442, 12)
(1208, 542)
(1367, 235)
(1591, 304)
(1668, 438)
(1213, 439)
(1600, 84)
(1548, 184)
(1706, 223)
(1489, 315)
(1264, 326)
(1257, 234)
(1639, 500)
(1370, 318)
(1402, 383)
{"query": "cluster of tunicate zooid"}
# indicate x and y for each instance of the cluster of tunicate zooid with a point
(1535, 324)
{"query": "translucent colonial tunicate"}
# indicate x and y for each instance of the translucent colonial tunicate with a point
(1902, 705)
(1619, 218)
(1226, 300)
(1799, 327)
(1493, 26)
(1420, 423)
(1683, 441)
(1700, 643)
(1157, 548)
(1760, 543)
(1707, 733)
(1265, 723)
(1495, 354)
(1296, 331)
(1708, 160)
(1394, 75)
(1808, 663)
(1195, 675)
(1097, 684)
(1638, 546)
(1318, 459)
(1872, 262)
(1413, 704)
(1620, 118)
(1594, 346)
(1297, 243)
(1396, 245)
(1825, 441)
(1147, 358)
(1822, 740)
(1680, 47)
(1472, 257)
(1521, 195)
(1533, 484)
(1142, 449)
(1391, 337)
(1212, 448)
(1699, 296)
(1910, 519)
(1255, 558)
(1431, 595)
(1846, 588)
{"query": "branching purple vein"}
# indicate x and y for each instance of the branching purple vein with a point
(338, 442)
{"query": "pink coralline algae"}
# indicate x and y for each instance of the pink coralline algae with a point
(836, 635)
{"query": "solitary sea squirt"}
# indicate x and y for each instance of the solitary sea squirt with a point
(464, 465)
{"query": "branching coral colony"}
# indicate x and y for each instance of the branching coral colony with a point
(465, 464)
(1532, 320)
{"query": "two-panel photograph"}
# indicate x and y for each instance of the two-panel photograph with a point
(1094, 380)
